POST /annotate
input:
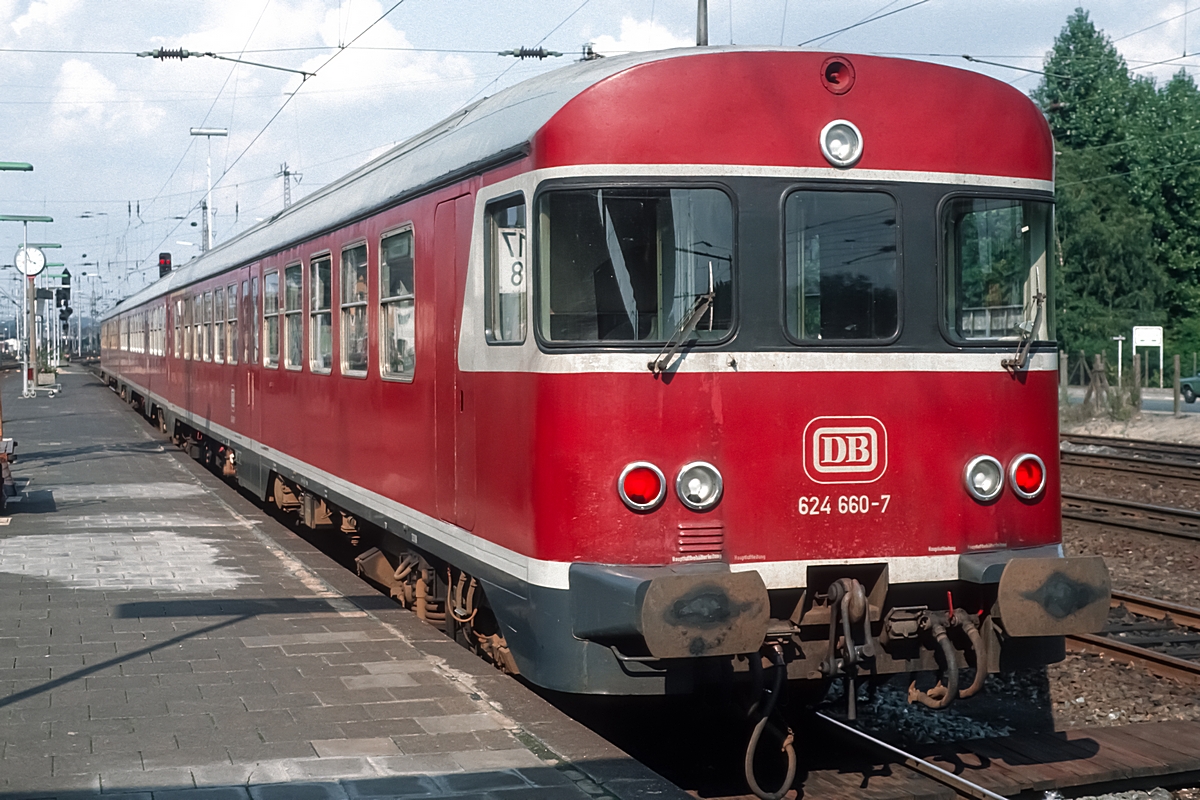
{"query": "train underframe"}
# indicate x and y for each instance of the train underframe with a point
(651, 630)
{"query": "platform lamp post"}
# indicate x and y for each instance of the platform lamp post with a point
(208, 133)
(29, 263)
(12, 166)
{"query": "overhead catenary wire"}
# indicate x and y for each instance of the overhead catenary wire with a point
(863, 22)
(285, 103)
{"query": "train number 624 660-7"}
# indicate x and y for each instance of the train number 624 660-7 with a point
(845, 504)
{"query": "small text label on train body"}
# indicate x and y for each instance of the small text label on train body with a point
(845, 449)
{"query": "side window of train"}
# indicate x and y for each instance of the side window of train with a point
(842, 267)
(506, 253)
(293, 316)
(206, 329)
(255, 322)
(219, 325)
(231, 326)
(397, 306)
(189, 311)
(271, 319)
(320, 322)
(354, 310)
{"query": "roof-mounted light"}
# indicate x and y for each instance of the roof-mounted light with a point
(841, 143)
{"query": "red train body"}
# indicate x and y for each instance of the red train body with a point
(843, 264)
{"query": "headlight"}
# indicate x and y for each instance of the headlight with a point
(642, 486)
(984, 477)
(1027, 474)
(699, 486)
(841, 143)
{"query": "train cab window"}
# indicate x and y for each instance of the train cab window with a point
(271, 319)
(842, 269)
(396, 306)
(320, 321)
(231, 324)
(354, 310)
(178, 343)
(632, 264)
(507, 274)
(293, 317)
(219, 325)
(997, 254)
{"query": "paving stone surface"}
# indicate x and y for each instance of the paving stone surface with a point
(161, 638)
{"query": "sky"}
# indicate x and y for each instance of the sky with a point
(116, 167)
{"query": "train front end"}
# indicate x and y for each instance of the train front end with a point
(786, 355)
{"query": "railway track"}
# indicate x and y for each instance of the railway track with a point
(1180, 522)
(1138, 456)
(1163, 637)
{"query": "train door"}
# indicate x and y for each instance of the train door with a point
(454, 409)
(244, 396)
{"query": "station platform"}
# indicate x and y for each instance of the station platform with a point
(161, 637)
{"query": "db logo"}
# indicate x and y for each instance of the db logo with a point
(845, 450)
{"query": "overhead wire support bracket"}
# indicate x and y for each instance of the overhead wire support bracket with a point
(530, 52)
(166, 53)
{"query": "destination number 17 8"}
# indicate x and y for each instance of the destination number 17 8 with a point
(844, 504)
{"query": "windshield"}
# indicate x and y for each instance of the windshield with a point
(998, 257)
(842, 266)
(627, 264)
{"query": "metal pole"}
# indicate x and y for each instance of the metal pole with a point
(702, 23)
(208, 198)
(28, 317)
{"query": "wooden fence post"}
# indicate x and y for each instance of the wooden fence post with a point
(1178, 408)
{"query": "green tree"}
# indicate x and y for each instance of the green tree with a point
(1109, 210)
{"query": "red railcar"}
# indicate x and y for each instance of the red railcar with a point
(652, 362)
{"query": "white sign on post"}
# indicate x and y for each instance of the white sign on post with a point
(1147, 336)
(1150, 336)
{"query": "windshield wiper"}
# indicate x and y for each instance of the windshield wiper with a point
(1028, 330)
(686, 326)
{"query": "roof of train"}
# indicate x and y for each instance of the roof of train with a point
(501, 123)
(506, 125)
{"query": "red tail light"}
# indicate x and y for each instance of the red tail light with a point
(642, 486)
(1027, 474)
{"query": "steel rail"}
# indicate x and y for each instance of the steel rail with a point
(1160, 664)
(1179, 522)
(1185, 453)
(918, 764)
(1131, 464)
(1184, 616)
(1137, 456)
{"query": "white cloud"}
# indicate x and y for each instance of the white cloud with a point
(44, 14)
(367, 68)
(85, 101)
(639, 36)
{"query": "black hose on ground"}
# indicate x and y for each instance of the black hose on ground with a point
(786, 735)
